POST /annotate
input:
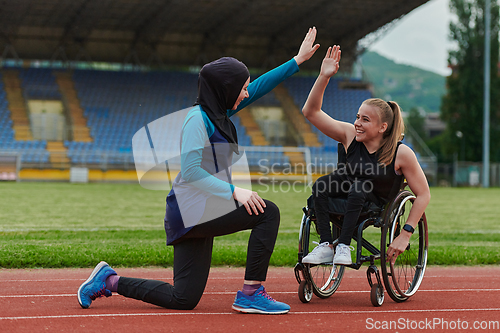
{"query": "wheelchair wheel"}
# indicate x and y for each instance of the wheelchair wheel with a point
(377, 295)
(324, 278)
(305, 291)
(403, 278)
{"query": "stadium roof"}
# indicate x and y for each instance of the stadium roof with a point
(261, 33)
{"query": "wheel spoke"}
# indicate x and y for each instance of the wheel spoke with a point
(325, 278)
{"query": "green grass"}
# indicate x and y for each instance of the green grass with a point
(68, 225)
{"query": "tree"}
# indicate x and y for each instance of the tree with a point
(462, 107)
(417, 122)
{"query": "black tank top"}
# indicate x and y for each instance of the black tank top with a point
(359, 164)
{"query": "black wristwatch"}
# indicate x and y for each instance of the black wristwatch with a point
(409, 228)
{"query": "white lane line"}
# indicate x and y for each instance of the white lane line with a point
(269, 278)
(42, 280)
(274, 292)
(390, 311)
(34, 296)
(146, 278)
(158, 314)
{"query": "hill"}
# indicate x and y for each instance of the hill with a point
(407, 85)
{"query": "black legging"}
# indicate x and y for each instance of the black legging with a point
(193, 255)
(336, 185)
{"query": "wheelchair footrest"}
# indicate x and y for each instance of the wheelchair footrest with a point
(297, 269)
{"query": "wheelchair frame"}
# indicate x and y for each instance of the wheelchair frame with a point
(389, 221)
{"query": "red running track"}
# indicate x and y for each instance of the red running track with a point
(454, 299)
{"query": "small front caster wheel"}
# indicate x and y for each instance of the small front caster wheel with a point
(377, 295)
(305, 291)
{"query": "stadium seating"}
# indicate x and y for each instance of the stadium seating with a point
(39, 83)
(117, 103)
(31, 151)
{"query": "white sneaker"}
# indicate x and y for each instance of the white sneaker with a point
(321, 253)
(343, 255)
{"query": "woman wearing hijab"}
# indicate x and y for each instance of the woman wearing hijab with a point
(203, 203)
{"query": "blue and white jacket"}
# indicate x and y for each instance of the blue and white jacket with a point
(206, 160)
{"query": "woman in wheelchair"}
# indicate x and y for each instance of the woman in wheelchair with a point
(376, 163)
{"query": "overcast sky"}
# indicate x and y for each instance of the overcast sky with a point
(420, 38)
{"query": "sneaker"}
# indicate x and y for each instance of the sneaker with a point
(343, 255)
(321, 253)
(259, 302)
(95, 285)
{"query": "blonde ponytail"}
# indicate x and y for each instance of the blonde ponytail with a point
(389, 113)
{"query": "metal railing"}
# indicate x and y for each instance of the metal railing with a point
(466, 174)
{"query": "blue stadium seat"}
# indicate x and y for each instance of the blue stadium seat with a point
(117, 104)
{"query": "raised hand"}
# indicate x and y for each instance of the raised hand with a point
(330, 64)
(307, 49)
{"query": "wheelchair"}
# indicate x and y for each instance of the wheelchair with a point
(401, 279)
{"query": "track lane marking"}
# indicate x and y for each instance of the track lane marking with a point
(159, 314)
(274, 292)
(236, 278)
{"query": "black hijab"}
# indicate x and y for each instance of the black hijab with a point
(219, 85)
